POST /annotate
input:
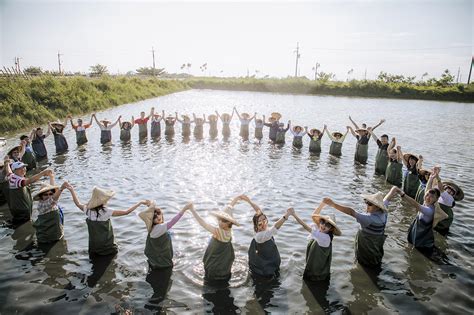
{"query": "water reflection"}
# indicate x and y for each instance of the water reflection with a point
(100, 264)
(218, 299)
(160, 281)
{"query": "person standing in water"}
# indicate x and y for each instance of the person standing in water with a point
(126, 129)
(423, 176)
(411, 182)
(37, 142)
(319, 249)
(371, 237)
(106, 129)
(381, 159)
(315, 143)
(155, 125)
(199, 126)
(219, 255)
(16, 153)
(245, 120)
(281, 133)
(169, 126)
(226, 120)
(259, 123)
(337, 139)
(298, 134)
(80, 129)
(142, 123)
(394, 170)
(362, 135)
(212, 121)
(185, 125)
(274, 125)
(28, 157)
(60, 141)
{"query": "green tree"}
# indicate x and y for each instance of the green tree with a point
(33, 71)
(98, 70)
(150, 71)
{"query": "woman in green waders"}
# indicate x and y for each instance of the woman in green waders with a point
(337, 139)
(424, 176)
(226, 119)
(126, 129)
(394, 171)
(50, 222)
(219, 255)
(381, 159)
(319, 249)
(371, 237)
(80, 129)
(158, 248)
(362, 146)
(185, 125)
(411, 182)
(20, 201)
(101, 233)
(315, 143)
(29, 155)
(212, 121)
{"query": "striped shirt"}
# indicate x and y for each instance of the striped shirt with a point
(222, 235)
(48, 205)
(15, 181)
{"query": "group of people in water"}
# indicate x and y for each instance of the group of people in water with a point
(431, 198)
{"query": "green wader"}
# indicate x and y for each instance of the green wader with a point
(48, 227)
(443, 226)
(218, 260)
(21, 204)
(225, 130)
(264, 258)
(315, 145)
(411, 182)
(381, 162)
(213, 129)
(125, 135)
(101, 237)
(318, 262)
(369, 248)
(169, 130)
(81, 137)
(280, 137)
(198, 131)
(420, 195)
(394, 174)
(142, 131)
(335, 148)
(30, 159)
(186, 130)
(420, 234)
(159, 251)
(4, 190)
(259, 133)
(244, 131)
(298, 142)
(361, 153)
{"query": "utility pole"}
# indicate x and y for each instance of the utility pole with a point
(297, 57)
(316, 66)
(59, 63)
(457, 77)
(470, 70)
(365, 75)
(16, 63)
(153, 54)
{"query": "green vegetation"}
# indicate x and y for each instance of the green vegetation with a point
(27, 102)
(387, 86)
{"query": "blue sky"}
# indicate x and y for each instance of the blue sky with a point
(406, 37)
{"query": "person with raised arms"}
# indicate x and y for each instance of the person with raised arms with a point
(169, 126)
(381, 159)
(142, 123)
(17, 152)
(281, 133)
(226, 120)
(80, 129)
(126, 129)
(28, 157)
(212, 121)
(199, 126)
(273, 124)
(298, 133)
(394, 170)
(106, 128)
(362, 135)
(315, 143)
(337, 139)
(60, 141)
(319, 249)
(424, 177)
(37, 142)
(411, 182)
(101, 233)
(245, 120)
(219, 255)
(155, 125)
(185, 125)
(259, 123)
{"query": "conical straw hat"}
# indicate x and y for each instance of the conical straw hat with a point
(225, 214)
(44, 188)
(148, 215)
(330, 219)
(376, 199)
(99, 197)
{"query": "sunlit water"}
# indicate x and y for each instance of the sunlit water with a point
(210, 173)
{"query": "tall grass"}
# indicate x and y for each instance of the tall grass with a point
(24, 103)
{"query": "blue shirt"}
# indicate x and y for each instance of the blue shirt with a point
(372, 223)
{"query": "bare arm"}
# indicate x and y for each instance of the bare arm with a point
(349, 128)
(22, 148)
(250, 202)
(48, 133)
(58, 192)
(380, 122)
(132, 123)
(36, 177)
(218, 116)
(76, 200)
(152, 112)
(399, 154)
(177, 119)
(253, 117)
(371, 132)
(118, 213)
(419, 163)
(301, 222)
(392, 144)
(404, 196)
(343, 209)
(33, 134)
(282, 220)
(353, 122)
(238, 115)
(116, 122)
(97, 121)
(201, 221)
(90, 122)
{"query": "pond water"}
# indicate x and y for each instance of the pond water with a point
(210, 173)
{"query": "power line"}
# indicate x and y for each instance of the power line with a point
(389, 49)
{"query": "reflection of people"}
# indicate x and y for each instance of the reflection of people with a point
(99, 266)
(316, 291)
(160, 280)
(219, 255)
(222, 300)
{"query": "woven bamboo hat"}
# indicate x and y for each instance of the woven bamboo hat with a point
(17, 147)
(330, 219)
(297, 127)
(337, 133)
(439, 215)
(99, 197)
(459, 195)
(148, 215)
(245, 115)
(276, 115)
(105, 121)
(212, 117)
(44, 188)
(376, 199)
(226, 214)
(57, 123)
(407, 156)
(314, 130)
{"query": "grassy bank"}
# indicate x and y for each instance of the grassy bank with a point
(24, 103)
(362, 88)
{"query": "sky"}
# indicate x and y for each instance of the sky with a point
(236, 38)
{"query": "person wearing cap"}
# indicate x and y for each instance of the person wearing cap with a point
(245, 120)
(37, 142)
(212, 121)
(106, 129)
(315, 143)
(371, 236)
(264, 257)
(226, 120)
(142, 124)
(319, 249)
(199, 126)
(394, 170)
(259, 123)
(450, 192)
(155, 125)
(411, 182)
(28, 157)
(381, 159)
(274, 125)
(185, 125)
(80, 129)
(50, 222)
(219, 255)
(298, 133)
(101, 233)
(424, 176)
(126, 129)
(281, 132)
(159, 248)
(60, 141)
(429, 214)
(337, 139)
(20, 201)
(169, 126)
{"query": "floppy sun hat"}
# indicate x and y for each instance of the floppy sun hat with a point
(406, 157)
(99, 197)
(225, 214)
(329, 219)
(376, 199)
(459, 194)
(148, 215)
(276, 115)
(44, 188)
(337, 133)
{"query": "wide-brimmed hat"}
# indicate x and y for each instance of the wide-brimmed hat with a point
(294, 127)
(44, 188)
(17, 147)
(57, 123)
(226, 214)
(214, 117)
(276, 115)
(439, 214)
(99, 197)
(337, 133)
(148, 215)
(330, 219)
(225, 116)
(245, 115)
(407, 156)
(459, 195)
(376, 199)
(126, 123)
(185, 117)
(312, 131)
(105, 121)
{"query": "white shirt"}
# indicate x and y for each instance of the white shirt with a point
(263, 236)
(446, 199)
(158, 230)
(323, 239)
(104, 215)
